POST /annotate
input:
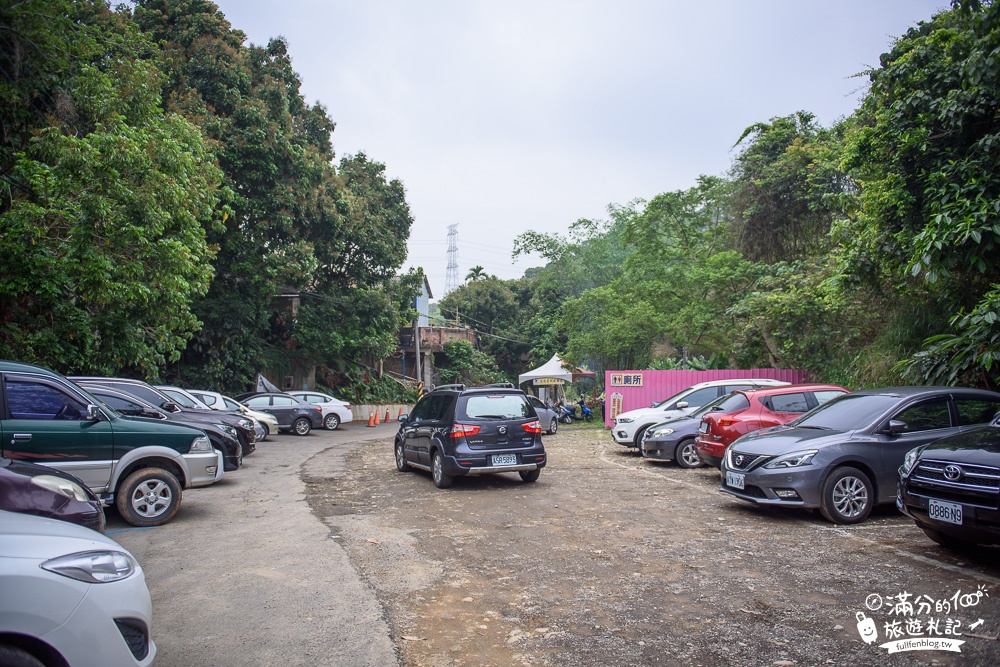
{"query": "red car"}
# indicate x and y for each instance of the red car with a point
(752, 409)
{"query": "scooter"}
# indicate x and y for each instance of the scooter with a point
(567, 415)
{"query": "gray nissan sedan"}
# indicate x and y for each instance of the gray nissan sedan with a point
(843, 457)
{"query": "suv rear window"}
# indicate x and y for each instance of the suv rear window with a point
(495, 406)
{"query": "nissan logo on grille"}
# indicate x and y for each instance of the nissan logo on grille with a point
(502, 430)
(739, 460)
(953, 473)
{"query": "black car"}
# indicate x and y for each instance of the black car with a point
(293, 414)
(152, 395)
(951, 488)
(456, 431)
(29, 488)
(223, 436)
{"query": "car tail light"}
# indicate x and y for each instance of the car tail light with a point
(462, 430)
(532, 427)
(727, 421)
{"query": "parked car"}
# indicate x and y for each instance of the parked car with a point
(223, 436)
(217, 401)
(71, 596)
(673, 440)
(335, 411)
(188, 402)
(33, 489)
(140, 465)
(457, 431)
(547, 417)
(150, 394)
(629, 426)
(843, 457)
(951, 487)
(293, 414)
(752, 409)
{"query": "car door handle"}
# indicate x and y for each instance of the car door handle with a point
(21, 437)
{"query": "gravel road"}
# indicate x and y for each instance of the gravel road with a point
(318, 552)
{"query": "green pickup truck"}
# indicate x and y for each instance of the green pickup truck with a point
(139, 465)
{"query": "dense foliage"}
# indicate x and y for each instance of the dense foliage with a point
(164, 183)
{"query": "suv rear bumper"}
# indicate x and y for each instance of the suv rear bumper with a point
(480, 464)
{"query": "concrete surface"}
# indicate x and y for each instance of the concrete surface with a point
(247, 575)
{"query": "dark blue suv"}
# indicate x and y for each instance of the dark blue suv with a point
(456, 430)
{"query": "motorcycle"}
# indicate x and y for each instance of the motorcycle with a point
(567, 415)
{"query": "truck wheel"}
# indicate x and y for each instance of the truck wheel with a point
(148, 497)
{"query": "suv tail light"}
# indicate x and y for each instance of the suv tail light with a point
(727, 421)
(462, 430)
(532, 427)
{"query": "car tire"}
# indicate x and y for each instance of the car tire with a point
(530, 475)
(947, 541)
(442, 480)
(301, 426)
(401, 464)
(267, 431)
(686, 455)
(12, 656)
(848, 496)
(331, 422)
(148, 497)
(553, 426)
(637, 438)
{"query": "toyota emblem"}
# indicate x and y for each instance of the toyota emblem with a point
(953, 472)
(502, 430)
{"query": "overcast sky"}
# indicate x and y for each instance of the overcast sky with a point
(508, 116)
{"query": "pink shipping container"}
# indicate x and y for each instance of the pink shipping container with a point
(628, 390)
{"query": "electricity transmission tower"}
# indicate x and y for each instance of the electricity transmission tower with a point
(451, 277)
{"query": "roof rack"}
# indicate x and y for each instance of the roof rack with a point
(452, 387)
(501, 385)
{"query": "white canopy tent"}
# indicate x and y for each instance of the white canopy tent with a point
(551, 373)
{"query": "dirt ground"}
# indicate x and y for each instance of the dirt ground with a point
(610, 559)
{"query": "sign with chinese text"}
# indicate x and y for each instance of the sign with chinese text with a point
(626, 379)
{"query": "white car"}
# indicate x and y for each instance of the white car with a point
(217, 401)
(71, 596)
(629, 426)
(335, 411)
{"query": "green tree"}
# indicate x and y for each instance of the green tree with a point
(107, 197)
(475, 273)
(925, 150)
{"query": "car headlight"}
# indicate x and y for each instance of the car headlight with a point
(63, 487)
(660, 432)
(93, 567)
(623, 420)
(231, 430)
(201, 444)
(793, 460)
(245, 424)
(909, 461)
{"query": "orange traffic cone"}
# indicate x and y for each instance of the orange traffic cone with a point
(371, 419)
(387, 415)
(400, 413)
(377, 422)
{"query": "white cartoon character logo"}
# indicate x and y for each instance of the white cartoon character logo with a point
(866, 626)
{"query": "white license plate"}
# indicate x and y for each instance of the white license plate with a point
(703, 428)
(505, 459)
(734, 479)
(947, 512)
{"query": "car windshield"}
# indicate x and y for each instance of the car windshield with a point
(848, 412)
(667, 400)
(182, 400)
(706, 408)
(498, 406)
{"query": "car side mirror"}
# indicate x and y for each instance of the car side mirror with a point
(93, 413)
(170, 407)
(403, 418)
(896, 427)
(681, 405)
